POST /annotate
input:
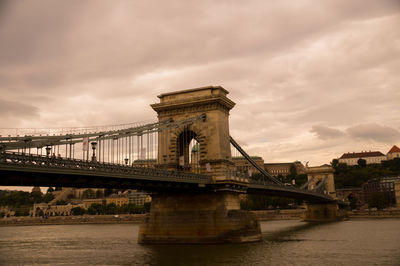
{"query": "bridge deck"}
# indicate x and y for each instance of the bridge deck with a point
(32, 170)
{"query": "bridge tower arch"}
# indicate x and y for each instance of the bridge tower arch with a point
(212, 215)
(321, 175)
(212, 134)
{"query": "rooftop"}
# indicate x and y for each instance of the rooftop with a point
(394, 149)
(361, 154)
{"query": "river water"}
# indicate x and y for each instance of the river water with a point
(354, 242)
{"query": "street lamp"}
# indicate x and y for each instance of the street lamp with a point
(48, 150)
(94, 144)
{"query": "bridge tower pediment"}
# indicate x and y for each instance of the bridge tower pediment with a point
(212, 134)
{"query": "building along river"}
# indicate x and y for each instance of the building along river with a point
(285, 242)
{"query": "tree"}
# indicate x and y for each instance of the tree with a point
(50, 189)
(36, 197)
(379, 200)
(111, 208)
(335, 163)
(78, 211)
(147, 206)
(263, 202)
(61, 202)
(99, 194)
(362, 163)
(58, 189)
(47, 197)
(96, 208)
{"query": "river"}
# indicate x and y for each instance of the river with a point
(287, 242)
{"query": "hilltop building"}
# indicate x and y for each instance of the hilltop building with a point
(369, 156)
(394, 152)
(283, 169)
(244, 166)
(129, 197)
(388, 185)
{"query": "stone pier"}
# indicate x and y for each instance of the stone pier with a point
(195, 218)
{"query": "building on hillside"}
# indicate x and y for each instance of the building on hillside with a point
(318, 174)
(371, 157)
(244, 166)
(138, 198)
(283, 169)
(81, 193)
(118, 199)
(394, 152)
(6, 212)
(46, 209)
(88, 202)
(389, 185)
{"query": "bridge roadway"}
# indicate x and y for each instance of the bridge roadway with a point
(33, 170)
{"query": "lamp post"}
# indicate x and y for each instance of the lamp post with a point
(48, 150)
(94, 144)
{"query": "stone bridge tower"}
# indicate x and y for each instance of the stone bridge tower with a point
(323, 173)
(212, 134)
(209, 214)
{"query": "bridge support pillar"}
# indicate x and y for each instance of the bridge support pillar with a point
(198, 218)
(323, 212)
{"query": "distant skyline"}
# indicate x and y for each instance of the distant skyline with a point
(311, 79)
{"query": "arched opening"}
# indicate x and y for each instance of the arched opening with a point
(188, 151)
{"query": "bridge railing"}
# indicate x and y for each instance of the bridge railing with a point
(29, 160)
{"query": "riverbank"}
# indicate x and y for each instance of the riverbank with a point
(267, 215)
(85, 219)
(297, 214)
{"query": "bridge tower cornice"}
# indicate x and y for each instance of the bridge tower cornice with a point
(212, 134)
(192, 101)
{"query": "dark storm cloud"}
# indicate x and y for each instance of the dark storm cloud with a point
(326, 133)
(375, 132)
(17, 110)
(288, 65)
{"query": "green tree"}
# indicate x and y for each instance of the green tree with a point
(335, 163)
(61, 202)
(379, 200)
(147, 206)
(99, 194)
(263, 202)
(77, 211)
(48, 197)
(111, 208)
(362, 163)
(96, 208)
(50, 189)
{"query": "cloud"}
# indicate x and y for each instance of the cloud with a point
(17, 110)
(375, 132)
(326, 133)
(289, 66)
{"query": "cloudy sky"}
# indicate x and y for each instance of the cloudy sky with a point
(311, 79)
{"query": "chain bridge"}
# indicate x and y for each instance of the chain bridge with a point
(184, 159)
